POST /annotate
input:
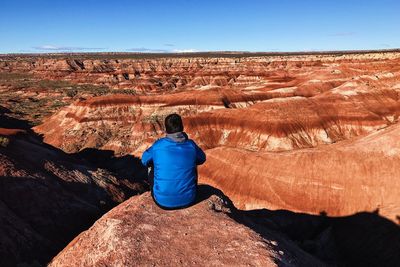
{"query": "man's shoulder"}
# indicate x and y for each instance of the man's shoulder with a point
(192, 142)
(159, 141)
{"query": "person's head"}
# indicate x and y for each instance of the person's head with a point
(173, 123)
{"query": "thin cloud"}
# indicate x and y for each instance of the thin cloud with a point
(184, 51)
(385, 45)
(342, 34)
(170, 45)
(26, 51)
(65, 48)
(148, 50)
(152, 50)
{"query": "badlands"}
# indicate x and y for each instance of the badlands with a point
(303, 158)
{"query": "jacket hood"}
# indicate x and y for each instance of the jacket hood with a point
(178, 137)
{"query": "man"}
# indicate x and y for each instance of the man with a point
(174, 159)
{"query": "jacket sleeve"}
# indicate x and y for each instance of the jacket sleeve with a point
(200, 155)
(147, 156)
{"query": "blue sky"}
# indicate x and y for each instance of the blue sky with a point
(184, 25)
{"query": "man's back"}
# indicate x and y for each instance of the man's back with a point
(175, 173)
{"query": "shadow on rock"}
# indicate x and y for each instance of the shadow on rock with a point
(40, 216)
(127, 167)
(47, 197)
(362, 239)
(10, 122)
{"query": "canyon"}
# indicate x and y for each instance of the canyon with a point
(313, 134)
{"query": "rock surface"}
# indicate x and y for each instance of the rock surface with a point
(47, 197)
(138, 233)
(337, 180)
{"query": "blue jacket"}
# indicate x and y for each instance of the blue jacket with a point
(175, 171)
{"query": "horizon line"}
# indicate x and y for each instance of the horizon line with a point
(226, 52)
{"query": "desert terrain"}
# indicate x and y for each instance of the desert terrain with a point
(303, 158)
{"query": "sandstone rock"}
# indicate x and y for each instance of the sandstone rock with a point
(138, 233)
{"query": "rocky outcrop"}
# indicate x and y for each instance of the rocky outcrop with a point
(138, 233)
(47, 197)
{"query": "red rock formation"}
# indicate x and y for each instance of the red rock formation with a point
(272, 105)
(307, 133)
(338, 179)
(138, 233)
(165, 74)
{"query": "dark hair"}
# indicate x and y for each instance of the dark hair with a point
(173, 123)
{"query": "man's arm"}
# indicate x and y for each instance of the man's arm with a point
(200, 155)
(147, 157)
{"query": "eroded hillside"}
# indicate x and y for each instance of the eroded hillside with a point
(254, 104)
(315, 134)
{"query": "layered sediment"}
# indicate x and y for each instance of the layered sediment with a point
(335, 180)
(313, 134)
(270, 104)
(292, 122)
